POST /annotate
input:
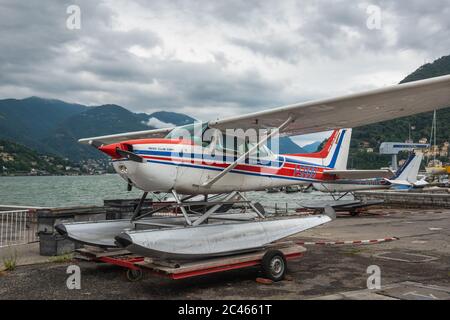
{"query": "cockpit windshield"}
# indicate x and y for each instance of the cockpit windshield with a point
(192, 132)
(200, 134)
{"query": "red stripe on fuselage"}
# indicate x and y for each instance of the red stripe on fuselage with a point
(283, 171)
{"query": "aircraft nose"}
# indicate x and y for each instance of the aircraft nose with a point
(120, 150)
(110, 149)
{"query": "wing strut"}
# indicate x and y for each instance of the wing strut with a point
(210, 182)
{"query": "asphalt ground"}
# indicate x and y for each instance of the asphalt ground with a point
(410, 268)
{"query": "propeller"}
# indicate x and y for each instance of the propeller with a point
(95, 143)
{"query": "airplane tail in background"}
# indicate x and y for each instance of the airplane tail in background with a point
(334, 154)
(407, 174)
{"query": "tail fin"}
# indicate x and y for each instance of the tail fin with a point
(334, 154)
(410, 169)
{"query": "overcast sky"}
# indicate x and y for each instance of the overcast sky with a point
(213, 59)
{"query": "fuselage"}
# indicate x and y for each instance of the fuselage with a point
(183, 166)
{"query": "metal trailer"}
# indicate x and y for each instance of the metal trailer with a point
(272, 260)
(353, 207)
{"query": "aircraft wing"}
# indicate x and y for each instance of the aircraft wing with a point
(342, 112)
(113, 138)
(360, 174)
(418, 184)
(350, 110)
(421, 183)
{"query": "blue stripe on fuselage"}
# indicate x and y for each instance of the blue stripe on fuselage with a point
(234, 170)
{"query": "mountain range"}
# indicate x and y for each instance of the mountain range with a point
(18, 159)
(53, 126)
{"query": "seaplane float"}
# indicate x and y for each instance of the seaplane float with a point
(221, 159)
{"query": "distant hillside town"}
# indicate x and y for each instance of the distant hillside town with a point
(16, 159)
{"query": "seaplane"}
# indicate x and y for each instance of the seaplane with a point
(221, 159)
(404, 178)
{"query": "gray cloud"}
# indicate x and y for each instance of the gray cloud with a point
(272, 46)
(421, 25)
(213, 58)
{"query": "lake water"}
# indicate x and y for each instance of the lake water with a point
(63, 191)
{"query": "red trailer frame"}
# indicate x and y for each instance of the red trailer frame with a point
(137, 265)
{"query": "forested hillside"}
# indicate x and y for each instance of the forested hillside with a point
(398, 130)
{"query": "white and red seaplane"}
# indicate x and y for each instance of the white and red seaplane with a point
(220, 159)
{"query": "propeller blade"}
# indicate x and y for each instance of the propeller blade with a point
(95, 143)
(129, 155)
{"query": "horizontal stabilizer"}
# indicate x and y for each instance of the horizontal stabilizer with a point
(360, 174)
(400, 182)
(421, 183)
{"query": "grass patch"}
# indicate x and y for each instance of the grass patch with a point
(61, 258)
(10, 261)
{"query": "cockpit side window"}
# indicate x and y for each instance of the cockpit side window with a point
(233, 145)
(228, 145)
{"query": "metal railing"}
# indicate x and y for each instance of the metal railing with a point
(17, 227)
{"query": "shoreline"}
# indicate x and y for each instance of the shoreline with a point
(55, 175)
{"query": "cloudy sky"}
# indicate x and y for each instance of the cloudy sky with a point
(213, 59)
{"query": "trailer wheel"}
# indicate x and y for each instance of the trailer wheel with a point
(274, 265)
(134, 275)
